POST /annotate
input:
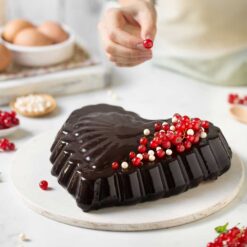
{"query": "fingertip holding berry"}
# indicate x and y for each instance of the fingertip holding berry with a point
(148, 43)
(43, 184)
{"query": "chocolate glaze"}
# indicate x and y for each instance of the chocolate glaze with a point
(95, 136)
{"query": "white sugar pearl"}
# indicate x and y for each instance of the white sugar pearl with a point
(124, 165)
(164, 123)
(190, 132)
(23, 237)
(172, 128)
(169, 152)
(151, 152)
(146, 132)
(151, 158)
(158, 148)
(140, 156)
(204, 135)
(174, 119)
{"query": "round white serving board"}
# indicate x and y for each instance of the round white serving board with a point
(31, 165)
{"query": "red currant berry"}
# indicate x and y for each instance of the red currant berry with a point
(142, 149)
(161, 135)
(132, 155)
(115, 165)
(8, 122)
(185, 119)
(157, 126)
(196, 125)
(4, 144)
(177, 115)
(158, 140)
(153, 144)
(190, 138)
(165, 127)
(196, 139)
(148, 43)
(188, 125)
(234, 231)
(177, 139)
(143, 141)
(15, 121)
(210, 244)
(241, 101)
(166, 144)
(187, 144)
(11, 146)
(156, 134)
(205, 124)
(12, 114)
(160, 153)
(170, 135)
(180, 148)
(145, 156)
(232, 98)
(43, 185)
(136, 161)
(180, 127)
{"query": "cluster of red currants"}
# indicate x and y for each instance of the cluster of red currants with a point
(178, 135)
(236, 99)
(6, 145)
(8, 119)
(234, 237)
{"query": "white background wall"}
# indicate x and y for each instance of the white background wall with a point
(81, 15)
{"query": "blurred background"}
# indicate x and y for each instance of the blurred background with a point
(82, 16)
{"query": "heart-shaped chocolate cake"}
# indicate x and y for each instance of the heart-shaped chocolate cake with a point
(106, 156)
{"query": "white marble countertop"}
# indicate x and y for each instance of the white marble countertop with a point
(154, 93)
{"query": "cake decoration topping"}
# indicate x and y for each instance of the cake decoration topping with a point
(115, 165)
(140, 156)
(166, 140)
(146, 132)
(124, 165)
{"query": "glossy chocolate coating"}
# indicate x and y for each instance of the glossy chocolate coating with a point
(95, 136)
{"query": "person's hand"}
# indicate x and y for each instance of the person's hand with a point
(123, 31)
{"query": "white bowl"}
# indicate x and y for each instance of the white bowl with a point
(39, 56)
(9, 131)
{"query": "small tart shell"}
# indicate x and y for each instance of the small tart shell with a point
(33, 114)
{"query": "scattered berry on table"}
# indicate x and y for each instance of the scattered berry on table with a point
(43, 185)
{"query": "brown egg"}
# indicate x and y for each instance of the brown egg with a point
(54, 31)
(5, 57)
(13, 27)
(31, 37)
